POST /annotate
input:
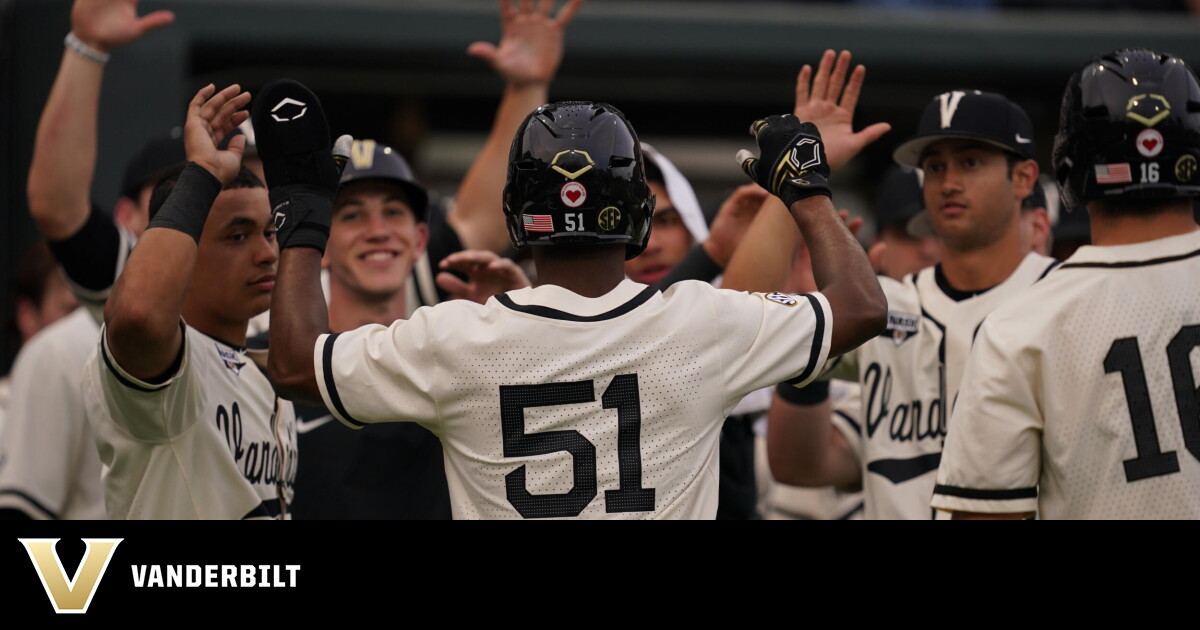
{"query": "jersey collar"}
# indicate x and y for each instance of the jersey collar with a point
(555, 302)
(1137, 254)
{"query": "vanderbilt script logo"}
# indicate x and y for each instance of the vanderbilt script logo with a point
(75, 595)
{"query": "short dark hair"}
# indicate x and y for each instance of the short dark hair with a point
(1125, 207)
(166, 184)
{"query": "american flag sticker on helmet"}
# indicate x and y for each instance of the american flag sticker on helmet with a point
(538, 223)
(1114, 174)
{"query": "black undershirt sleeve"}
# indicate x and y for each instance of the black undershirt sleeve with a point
(89, 256)
(815, 393)
(697, 265)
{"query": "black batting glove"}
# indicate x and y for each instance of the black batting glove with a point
(292, 137)
(793, 164)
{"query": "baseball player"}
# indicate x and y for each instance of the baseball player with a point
(49, 468)
(377, 234)
(1080, 399)
(91, 247)
(977, 153)
(543, 397)
(186, 425)
(894, 254)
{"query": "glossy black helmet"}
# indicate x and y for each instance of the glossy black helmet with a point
(1129, 128)
(575, 175)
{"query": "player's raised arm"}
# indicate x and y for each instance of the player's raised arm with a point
(142, 316)
(303, 179)
(527, 58)
(827, 98)
(64, 151)
(794, 167)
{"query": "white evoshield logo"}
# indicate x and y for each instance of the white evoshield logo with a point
(284, 103)
(805, 155)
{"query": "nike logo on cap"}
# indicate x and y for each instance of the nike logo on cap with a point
(1021, 140)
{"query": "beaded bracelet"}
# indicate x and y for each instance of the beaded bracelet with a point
(77, 45)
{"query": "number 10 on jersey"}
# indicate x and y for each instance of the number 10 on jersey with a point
(622, 395)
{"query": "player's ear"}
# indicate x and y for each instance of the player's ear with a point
(422, 237)
(875, 255)
(124, 212)
(1025, 177)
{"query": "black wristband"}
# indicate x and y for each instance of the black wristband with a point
(187, 207)
(814, 393)
(302, 215)
(806, 185)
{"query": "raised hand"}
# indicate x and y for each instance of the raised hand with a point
(531, 43)
(487, 274)
(733, 219)
(793, 164)
(829, 103)
(108, 24)
(211, 117)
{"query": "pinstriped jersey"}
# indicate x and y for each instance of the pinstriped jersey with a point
(211, 442)
(553, 405)
(910, 378)
(1080, 399)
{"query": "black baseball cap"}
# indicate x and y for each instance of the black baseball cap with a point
(970, 115)
(370, 160)
(899, 198)
(155, 158)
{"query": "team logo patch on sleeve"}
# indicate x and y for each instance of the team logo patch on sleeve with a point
(901, 327)
(782, 298)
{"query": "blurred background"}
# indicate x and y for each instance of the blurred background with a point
(690, 76)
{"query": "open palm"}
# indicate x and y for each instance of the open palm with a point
(109, 24)
(531, 46)
(826, 104)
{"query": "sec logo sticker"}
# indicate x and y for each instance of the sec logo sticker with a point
(782, 298)
(573, 194)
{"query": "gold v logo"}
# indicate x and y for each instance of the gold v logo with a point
(362, 154)
(72, 596)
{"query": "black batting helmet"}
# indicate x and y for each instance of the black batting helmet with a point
(370, 160)
(575, 175)
(1129, 128)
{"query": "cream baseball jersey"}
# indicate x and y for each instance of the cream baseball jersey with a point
(910, 377)
(49, 468)
(550, 404)
(1080, 399)
(210, 442)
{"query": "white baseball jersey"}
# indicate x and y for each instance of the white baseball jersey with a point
(1080, 400)
(211, 442)
(910, 375)
(49, 468)
(549, 404)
